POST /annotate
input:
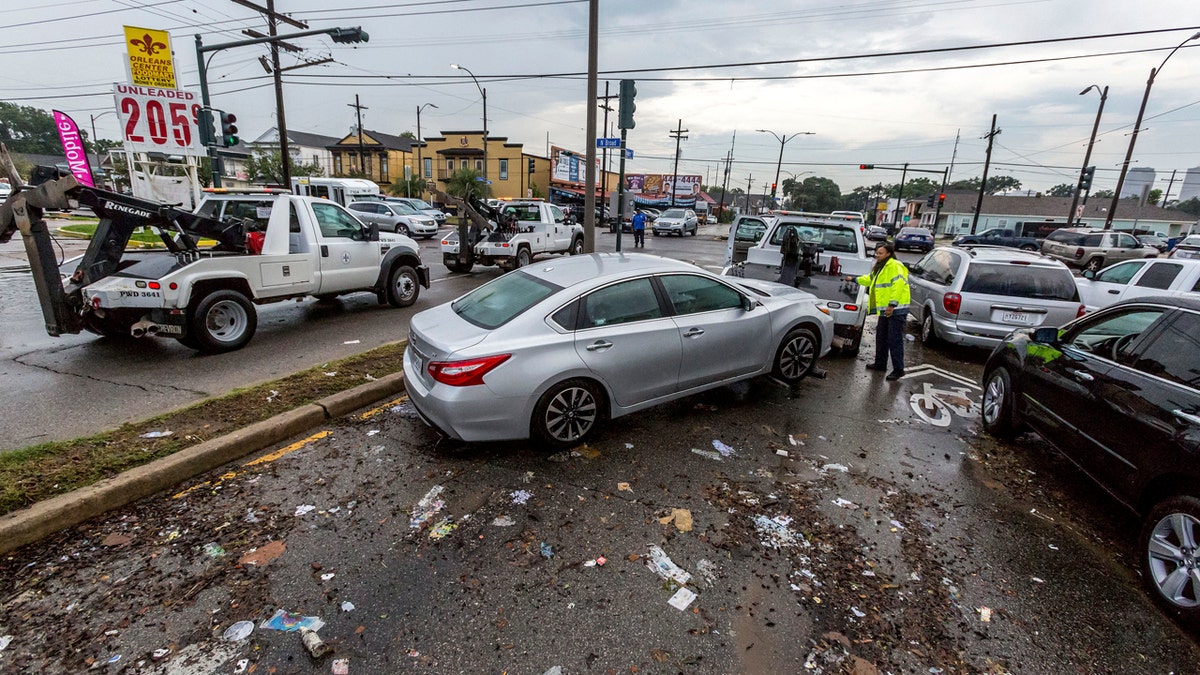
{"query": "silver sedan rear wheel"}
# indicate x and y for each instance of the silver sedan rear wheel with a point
(567, 413)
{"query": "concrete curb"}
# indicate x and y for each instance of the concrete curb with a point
(58, 513)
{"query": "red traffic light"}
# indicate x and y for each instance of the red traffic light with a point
(866, 166)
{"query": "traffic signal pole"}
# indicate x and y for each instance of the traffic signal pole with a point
(1084, 176)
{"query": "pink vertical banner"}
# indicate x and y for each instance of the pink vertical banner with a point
(73, 148)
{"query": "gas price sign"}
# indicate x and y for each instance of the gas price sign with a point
(159, 120)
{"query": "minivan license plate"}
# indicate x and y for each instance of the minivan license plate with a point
(1016, 317)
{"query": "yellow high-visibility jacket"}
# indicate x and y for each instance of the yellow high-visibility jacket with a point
(889, 287)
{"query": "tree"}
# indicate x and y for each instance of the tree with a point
(997, 184)
(1191, 206)
(535, 191)
(29, 130)
(1102, 194)
(413, 186)
(467, 183)
(1061, 190)
(1153, 197)
(409, 135)
(814, 193)
(915, 188)
(268, 167)
(971, 184)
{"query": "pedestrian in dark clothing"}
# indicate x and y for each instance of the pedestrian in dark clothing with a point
(889, 296)
(639, 229)
(789, 248)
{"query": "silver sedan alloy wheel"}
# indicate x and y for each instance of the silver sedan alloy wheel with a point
(571, 414)
(798, 356)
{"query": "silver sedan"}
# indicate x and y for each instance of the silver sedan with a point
(550, 350)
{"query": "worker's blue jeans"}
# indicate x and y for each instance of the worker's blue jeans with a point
(889, 339)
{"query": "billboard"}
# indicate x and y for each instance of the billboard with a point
(566, 166)
(655, 189)
(159, 120)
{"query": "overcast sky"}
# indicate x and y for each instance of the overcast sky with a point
(885, 110)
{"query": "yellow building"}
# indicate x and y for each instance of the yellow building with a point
(374, 155)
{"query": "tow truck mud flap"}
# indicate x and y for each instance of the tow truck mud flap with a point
(423, 275)
(171, 322)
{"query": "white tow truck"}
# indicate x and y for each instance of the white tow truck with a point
(832, 246)
(281, 247)
(511, 234)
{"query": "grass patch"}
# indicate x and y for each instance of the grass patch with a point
(38, 472)
(142, 237)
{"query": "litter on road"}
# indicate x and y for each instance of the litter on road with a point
(682, 598)
(347, 606)
(503, 521)
(443, 527)
(157, 434)
(547, 551)
(263, 554)
(304, 509)
(5, 641)
(521, 496)
(681, 517)
(661, 564)
(313, 643)
(845, 503)
(427, 507)
(284, 620)
(985, 614)
(340, 667)
(725, 450)
(214, 550)
(624, 487)
(237, 632)
(776, 532)
(711, 454)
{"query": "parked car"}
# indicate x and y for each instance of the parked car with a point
(1153, 241)
(396, 217)
(1118, 392)
(1093, 249)
(917, 238)
(1189, 247)
(676, 221)
(423, 206)
(1137, 279)
(876, 233)
(975, 296)
(550, 350)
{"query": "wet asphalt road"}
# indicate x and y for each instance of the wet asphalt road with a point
(877, 542)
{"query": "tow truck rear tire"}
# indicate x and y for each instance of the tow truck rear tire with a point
(404, 286)
(576, 246)
(223, 321)
(524, 257)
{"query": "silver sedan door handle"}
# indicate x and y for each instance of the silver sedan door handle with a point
(1080, 375)
(599, 345)
(1186, 416)
(694, 332)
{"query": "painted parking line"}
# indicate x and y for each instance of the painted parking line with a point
(375, 411)
(264, 459)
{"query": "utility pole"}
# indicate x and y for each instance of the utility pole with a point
(607, 109)
(991, 135)
(589, 197)
(725, 184)
(749, 182)
(358, 110)
(678, 135)
(1087, 156)
(1163, 200)
(900, 198)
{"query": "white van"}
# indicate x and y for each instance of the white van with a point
(340, 190)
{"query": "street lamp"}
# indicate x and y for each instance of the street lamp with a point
(782, 142)
(483, 93)
(96, 138)
(1087, 156)
(1112, 209)
(421, 142)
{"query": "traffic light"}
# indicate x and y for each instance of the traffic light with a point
(625, 117)
(772, 189)
(866, 166)
(204, 125)
(930, 201)
(348, 35)
(229, 129)
(532, 165)
(941, 200)
(1085, 181)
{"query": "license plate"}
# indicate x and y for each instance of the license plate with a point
(1021, 318)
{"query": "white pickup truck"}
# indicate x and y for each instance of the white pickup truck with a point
(521, 229)
(270, 247)
(832, 246)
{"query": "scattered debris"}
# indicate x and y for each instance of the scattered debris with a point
(264, 554)
(251, 517)
(115, 539)
(547, 551)
(5, 641)
(313, 643)
(157, 434)
(372, 432)
(705, 407)
(836, 467)
(503, 521)
(340, 667)
(351, 342)
(985, 614)
(241, 665)
(443, 527)
(560, 456)
(214, 550)
(427, 507)
(304, 509)
(782, 453)
(793, 441)
(327, 576)
(586, 451)
(521, 496)
(711, 454)
(857, 612)
(238, 631)
(725, 450)
(595, 562)
(1052, 547)
(283, 620)
(681, 517)
(624, 487)
(331, 374)
(845, 503)
(707, 571)
(660, 563)
(776, 532)
(556, 670)
(682, 598)
(1040, 581)
(157, 654)
(347, 606)
(629, 446)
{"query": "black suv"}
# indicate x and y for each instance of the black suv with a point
(1118, 391)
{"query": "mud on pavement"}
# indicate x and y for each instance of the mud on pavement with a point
(820, 530)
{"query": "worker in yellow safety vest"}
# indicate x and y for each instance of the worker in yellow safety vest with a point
(889, 294)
